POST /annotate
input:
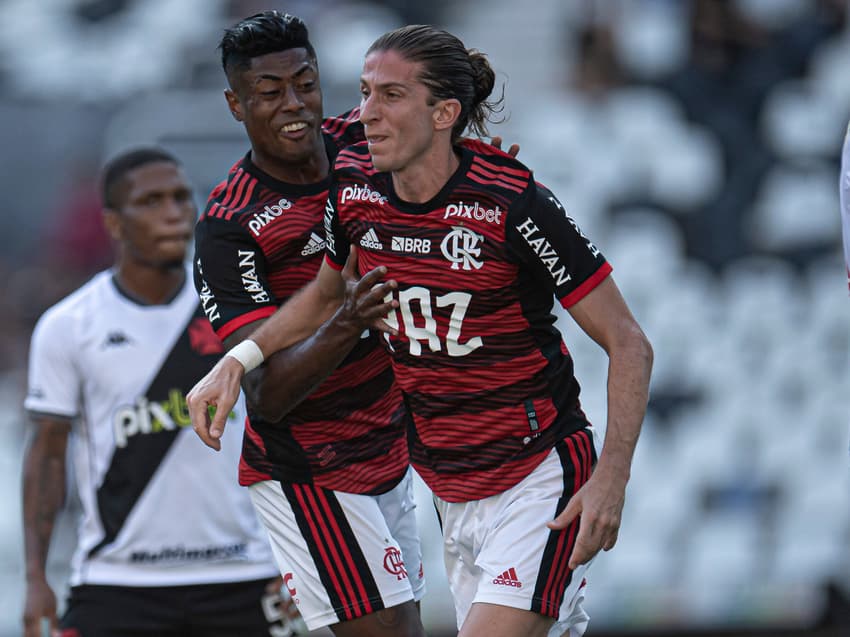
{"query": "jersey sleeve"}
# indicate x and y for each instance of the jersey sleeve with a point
(54, 384)
(336, 243)
(546, 241)
(844, 198)
(231, 276)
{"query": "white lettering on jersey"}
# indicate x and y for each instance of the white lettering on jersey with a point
(207, 299)
(411, 244)
(314, 244)
(250, 281)
(370, 240)
(474, 211)
(267, 215)
(362, 193)
(544, 250)
(590, 246)
(329, 236)
(460, 247)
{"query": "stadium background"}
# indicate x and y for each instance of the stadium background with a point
(696, 142)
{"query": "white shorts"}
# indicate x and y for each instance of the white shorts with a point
(499, 550)
(343, 555)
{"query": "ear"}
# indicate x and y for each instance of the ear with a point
(233, 104)
(446, 113)
(112, 223)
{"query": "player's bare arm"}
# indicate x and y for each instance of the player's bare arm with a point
(295, 321)
(292, 374)
(43, 495)
(604, 316)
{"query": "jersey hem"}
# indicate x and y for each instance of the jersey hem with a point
(584, 289)
(244, 319)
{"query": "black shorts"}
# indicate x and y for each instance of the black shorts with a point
(240, 609)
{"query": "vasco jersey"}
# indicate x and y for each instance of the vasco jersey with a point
(483, 370)
(158, 507)
(258, 242)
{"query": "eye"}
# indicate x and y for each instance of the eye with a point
(270, 93)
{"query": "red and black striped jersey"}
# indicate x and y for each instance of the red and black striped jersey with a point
(484, 371)
(259, 241)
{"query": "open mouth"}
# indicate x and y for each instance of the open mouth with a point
(293, 129)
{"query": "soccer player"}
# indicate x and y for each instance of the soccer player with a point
(331, 480)
(475, 252)
(168, 543)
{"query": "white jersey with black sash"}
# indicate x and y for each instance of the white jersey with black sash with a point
(159, 508)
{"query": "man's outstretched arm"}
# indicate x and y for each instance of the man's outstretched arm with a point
(309, 353)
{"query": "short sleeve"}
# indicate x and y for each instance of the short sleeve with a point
(53, 383)
(231, 276)
(336, 243)
(547, 241)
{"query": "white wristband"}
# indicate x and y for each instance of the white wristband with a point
(248, 353)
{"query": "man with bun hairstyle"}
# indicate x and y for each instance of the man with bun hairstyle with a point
(464, 254)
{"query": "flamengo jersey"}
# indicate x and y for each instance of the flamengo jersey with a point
(844, 197)
(158, 507)
(483, 370)
(257, 243)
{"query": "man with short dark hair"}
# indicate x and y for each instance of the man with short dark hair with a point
(330, 480)
(168, 544)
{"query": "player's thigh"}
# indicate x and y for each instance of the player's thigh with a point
(398, 507)
(398, 621)
(498, 550)
(117, 611)
(339, 559)
(491, 620)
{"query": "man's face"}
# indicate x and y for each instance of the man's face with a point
(279, 100)
(156, 215)
(397, 110)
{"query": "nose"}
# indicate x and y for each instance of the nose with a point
(292, 100)
(178, 210)
(368, 109)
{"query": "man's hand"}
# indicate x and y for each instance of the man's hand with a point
(496, 142)
(599, 502)
(40, 604)
(218, 389)
(367, 300)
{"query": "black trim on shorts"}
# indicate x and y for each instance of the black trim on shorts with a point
(339, 560)
(555, 576)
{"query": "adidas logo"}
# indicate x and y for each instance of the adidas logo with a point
(314, 245)
(370, 240)
(508, 578)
